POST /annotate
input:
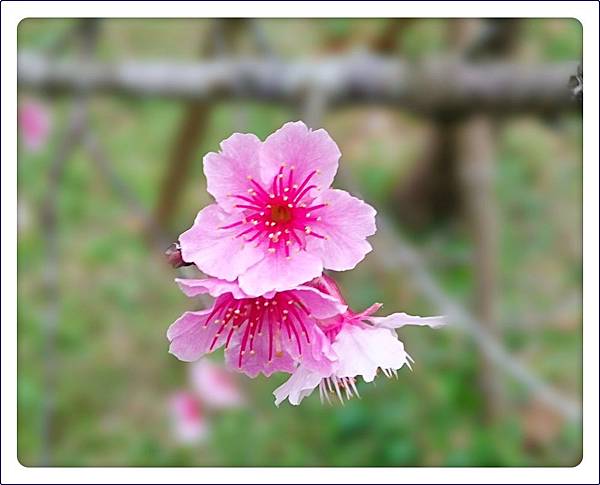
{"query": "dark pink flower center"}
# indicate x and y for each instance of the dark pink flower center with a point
(281, 216)
(275, 319)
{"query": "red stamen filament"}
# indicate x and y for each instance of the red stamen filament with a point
(282, 219)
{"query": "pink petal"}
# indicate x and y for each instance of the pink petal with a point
(346, 221)
(276, 272)
(34, 121)
(367, 312)
(300, 385)
(213, 286)
(326, 284)
(215, 385)
(189, 422)
(216, 251)
(319, 304)
(227, 171)
(296, 145)
(189, 337)
(298, 340)
(319, 356)
(361, 351)
(397, 320)
(257, 362)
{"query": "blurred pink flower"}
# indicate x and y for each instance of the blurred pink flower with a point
(215, 385)
(189, 424)
(362, 344)
(265, 334)
(276, 222)
(34, 122)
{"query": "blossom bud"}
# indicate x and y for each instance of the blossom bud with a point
(173, 255)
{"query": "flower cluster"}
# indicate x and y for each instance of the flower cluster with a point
(213, 389)
(34, 124)
(275, 227)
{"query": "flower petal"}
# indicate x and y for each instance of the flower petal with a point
(326, 284)
(227, 171)
(213, 286)
(307, 151)
(215, 385)
(320, 305)
(216, 251)
(346, 221)
(276, 272)
(361, 351)
(397, 320)
(190, 338)
(319, 356)
(189, 423)
(300, 385)
(257, 361)
(34, 122)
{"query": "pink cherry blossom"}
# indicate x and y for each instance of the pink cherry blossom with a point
(263, 334)
(276, 222)
(215, 385)
(189, 423)
(362, 343)
(34, 122)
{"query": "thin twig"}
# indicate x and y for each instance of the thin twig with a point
(87, 30)
(401, 256)
(50, 321)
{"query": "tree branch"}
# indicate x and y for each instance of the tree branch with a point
(360, 78)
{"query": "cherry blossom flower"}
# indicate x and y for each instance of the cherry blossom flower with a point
(215, 385)
(362, 344)
(276, 222)
(34, 122)
(189, 423)
(263, 334)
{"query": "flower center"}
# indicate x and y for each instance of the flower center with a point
(276, 320)
(281, 216)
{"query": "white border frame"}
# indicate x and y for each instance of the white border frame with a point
(12, 12)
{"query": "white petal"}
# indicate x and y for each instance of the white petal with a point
(300, 385)
(397, 320)
(361, 351)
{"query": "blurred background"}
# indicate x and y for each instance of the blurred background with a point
(466, 136)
